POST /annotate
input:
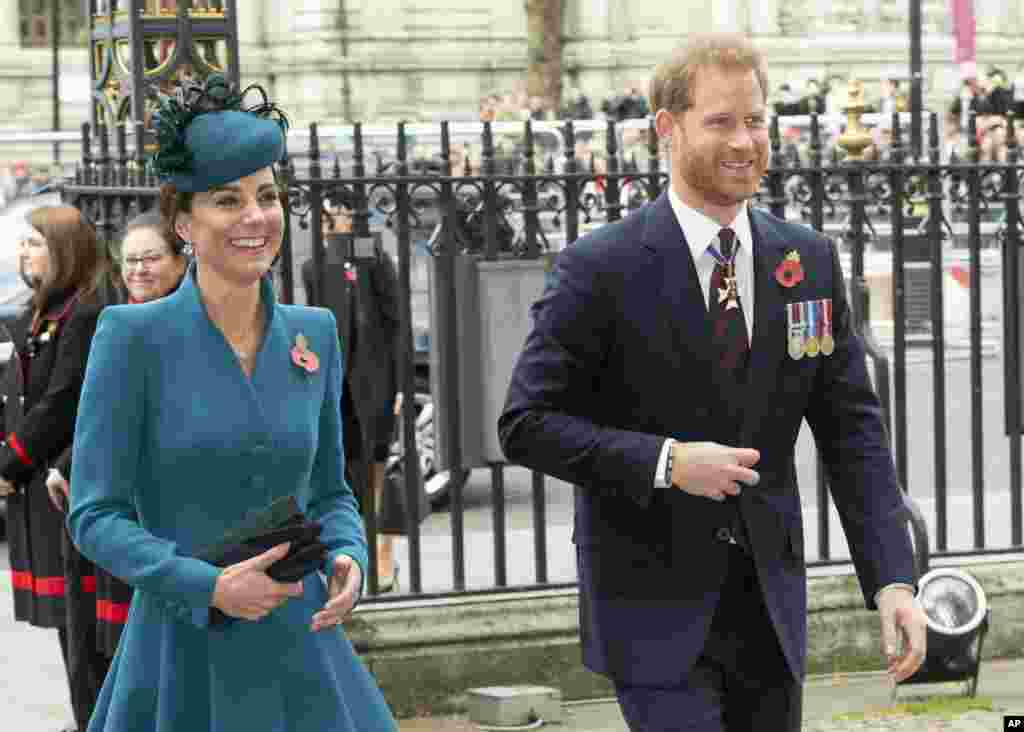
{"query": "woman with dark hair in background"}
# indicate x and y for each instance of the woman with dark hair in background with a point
(60, 260)
(363, 295)
(150, 268)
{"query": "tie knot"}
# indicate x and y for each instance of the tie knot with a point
(726, 239)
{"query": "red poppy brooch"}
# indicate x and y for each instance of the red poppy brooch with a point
(790, 273)
(302, 356)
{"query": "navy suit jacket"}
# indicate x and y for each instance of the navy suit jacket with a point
(617, 361)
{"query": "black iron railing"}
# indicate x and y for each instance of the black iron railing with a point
(493, 193)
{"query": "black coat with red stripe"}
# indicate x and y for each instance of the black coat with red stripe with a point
(41, 387)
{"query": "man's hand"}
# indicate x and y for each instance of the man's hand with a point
(711, 470)
(342, 593)
(7, 488)
(58, 488)
(902, 620)
(244, 590)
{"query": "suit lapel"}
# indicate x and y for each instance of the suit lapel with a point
(768, 343)
(680, 292)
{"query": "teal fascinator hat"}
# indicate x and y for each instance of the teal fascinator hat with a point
(207, 136)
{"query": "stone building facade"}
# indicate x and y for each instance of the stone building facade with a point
(382, 60)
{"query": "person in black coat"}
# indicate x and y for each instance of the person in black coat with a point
(363, 295)
(153, 264)
(61, 261)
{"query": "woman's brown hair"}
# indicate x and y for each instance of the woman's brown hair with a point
(172, 203)
(76, 263)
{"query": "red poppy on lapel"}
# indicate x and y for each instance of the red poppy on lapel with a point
(303, 357)
(790, 273)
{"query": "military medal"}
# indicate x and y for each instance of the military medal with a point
(812, 346)
(728, 291)
(797, 330)
(828, 343)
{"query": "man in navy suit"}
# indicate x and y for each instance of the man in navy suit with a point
(671, 363)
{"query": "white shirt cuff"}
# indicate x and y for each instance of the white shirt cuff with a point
(659, 472)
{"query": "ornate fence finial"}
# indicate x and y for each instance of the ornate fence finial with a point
(856, 139)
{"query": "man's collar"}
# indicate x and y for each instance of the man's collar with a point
(700, 230)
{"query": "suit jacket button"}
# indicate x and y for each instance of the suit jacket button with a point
(703, 412)
(723, 534)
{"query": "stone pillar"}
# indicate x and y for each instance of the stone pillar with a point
(619, 27)
(990, 15)
(872, 14)
(10, 27)
(724, 15)
(764, 17)
(252, 38)
(250, 22)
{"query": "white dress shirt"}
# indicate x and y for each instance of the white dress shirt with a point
(700, 233)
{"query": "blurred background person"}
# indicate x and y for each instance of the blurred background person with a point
(813, 101)
(787, 101)
(892, 100)
(153, 260)
(996, 97)
(150, 268)
(992, 146)
(538, 109)
(60, 260)
(966, 101)
(362, 292)
(577, 105)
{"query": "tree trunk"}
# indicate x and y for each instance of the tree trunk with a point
(544, 52)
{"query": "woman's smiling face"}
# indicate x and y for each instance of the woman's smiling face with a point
(236, 229)
(148, 266)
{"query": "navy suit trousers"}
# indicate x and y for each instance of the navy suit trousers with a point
(740, 682)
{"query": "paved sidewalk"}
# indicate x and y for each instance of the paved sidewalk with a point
(33, 693)
(825, 697)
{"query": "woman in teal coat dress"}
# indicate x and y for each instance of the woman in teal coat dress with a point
(197, 409)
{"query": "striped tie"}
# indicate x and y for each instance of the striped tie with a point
(730, 326)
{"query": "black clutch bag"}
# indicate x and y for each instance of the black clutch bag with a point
(280, 522)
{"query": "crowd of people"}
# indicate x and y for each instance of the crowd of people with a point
(992, 98)
(145, 421)
(517, 105)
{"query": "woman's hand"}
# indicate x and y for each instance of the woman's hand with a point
(7, 488)
(341, 593)
(244, 590)
(58, 488)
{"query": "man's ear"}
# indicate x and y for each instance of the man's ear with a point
(664, 123)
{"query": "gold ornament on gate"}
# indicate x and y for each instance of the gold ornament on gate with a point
(856, 139)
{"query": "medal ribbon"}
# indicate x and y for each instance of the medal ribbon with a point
(796, 318)
(727, 262)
